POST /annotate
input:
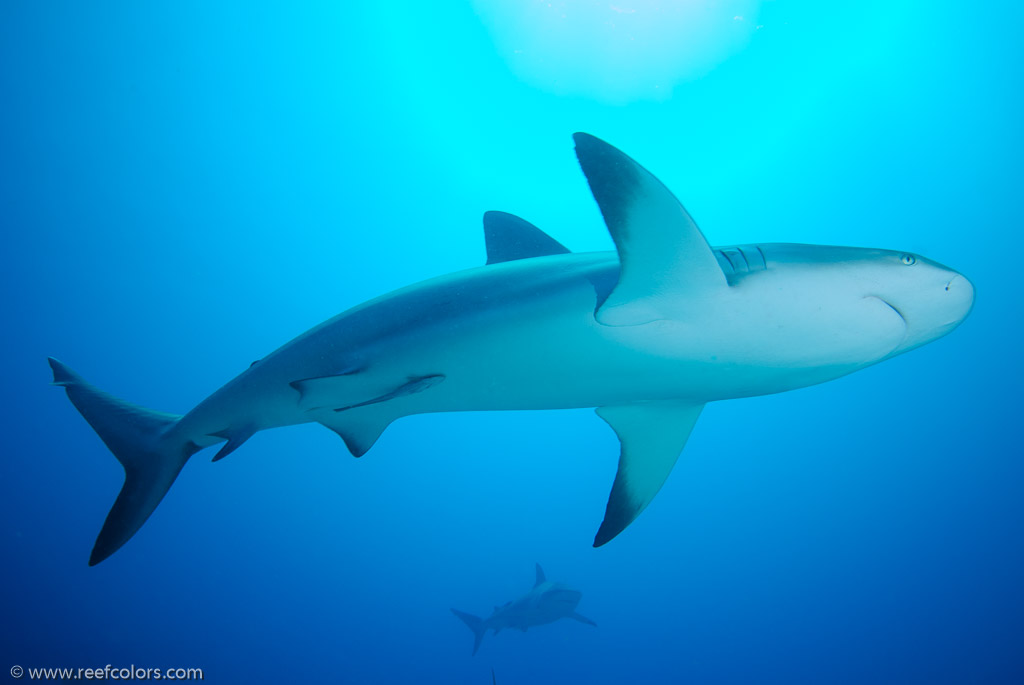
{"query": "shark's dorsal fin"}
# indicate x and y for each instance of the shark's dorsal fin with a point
(540, 576)
(664, 256)
(652, 435)
(509, 238)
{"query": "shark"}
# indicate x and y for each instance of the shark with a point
(647, 334)
(546, 602)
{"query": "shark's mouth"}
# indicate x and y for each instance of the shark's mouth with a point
(897, 345)
(893, 307)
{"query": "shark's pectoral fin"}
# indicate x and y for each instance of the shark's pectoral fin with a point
(509, 238)
(582, 619)
(664, 256)
(652, 435)
(358, 429)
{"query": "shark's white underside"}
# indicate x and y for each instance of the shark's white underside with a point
(648, 334)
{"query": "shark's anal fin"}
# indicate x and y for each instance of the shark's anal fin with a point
(582, 619)
(509, 238)
(652, 435)
(235, 437)
(540, 576)
(411, 387)
(664, 257)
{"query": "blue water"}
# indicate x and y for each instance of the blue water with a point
(185, 186)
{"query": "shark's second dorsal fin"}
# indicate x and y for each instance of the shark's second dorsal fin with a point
(664, 256)
(652, 435)
(540, 576)
(510, 238)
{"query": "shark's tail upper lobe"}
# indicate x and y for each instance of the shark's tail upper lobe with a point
(138, 438)
(475, 624)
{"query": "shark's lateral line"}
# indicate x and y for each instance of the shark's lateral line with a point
(545, 603)
(648, 334)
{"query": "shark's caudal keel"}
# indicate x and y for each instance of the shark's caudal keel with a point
(648, 334)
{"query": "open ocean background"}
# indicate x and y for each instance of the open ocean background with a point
(184, 186)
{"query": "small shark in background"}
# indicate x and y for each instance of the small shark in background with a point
(545, 603)
(648, 334)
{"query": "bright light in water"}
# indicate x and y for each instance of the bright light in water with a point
(616, 50)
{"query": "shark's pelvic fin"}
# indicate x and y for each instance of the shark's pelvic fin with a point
(509, 238)
(582, 619)
(137, 437)
(540, 576)
(359, 430)
(663, 254)
(652, 435)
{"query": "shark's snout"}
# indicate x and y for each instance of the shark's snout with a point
(960, 298)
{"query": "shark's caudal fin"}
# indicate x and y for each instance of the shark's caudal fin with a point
(135, 436)
(475, 624)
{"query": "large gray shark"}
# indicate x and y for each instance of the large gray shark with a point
(648, 334)
(545, 603)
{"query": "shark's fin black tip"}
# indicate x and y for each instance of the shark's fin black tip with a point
(62, 375)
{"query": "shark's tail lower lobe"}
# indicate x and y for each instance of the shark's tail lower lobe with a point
(475, 624)
(136, 436)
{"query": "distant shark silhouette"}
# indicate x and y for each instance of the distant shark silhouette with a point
(647, 334)
(545, 603)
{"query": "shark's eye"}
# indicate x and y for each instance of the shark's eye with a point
(908, 259)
